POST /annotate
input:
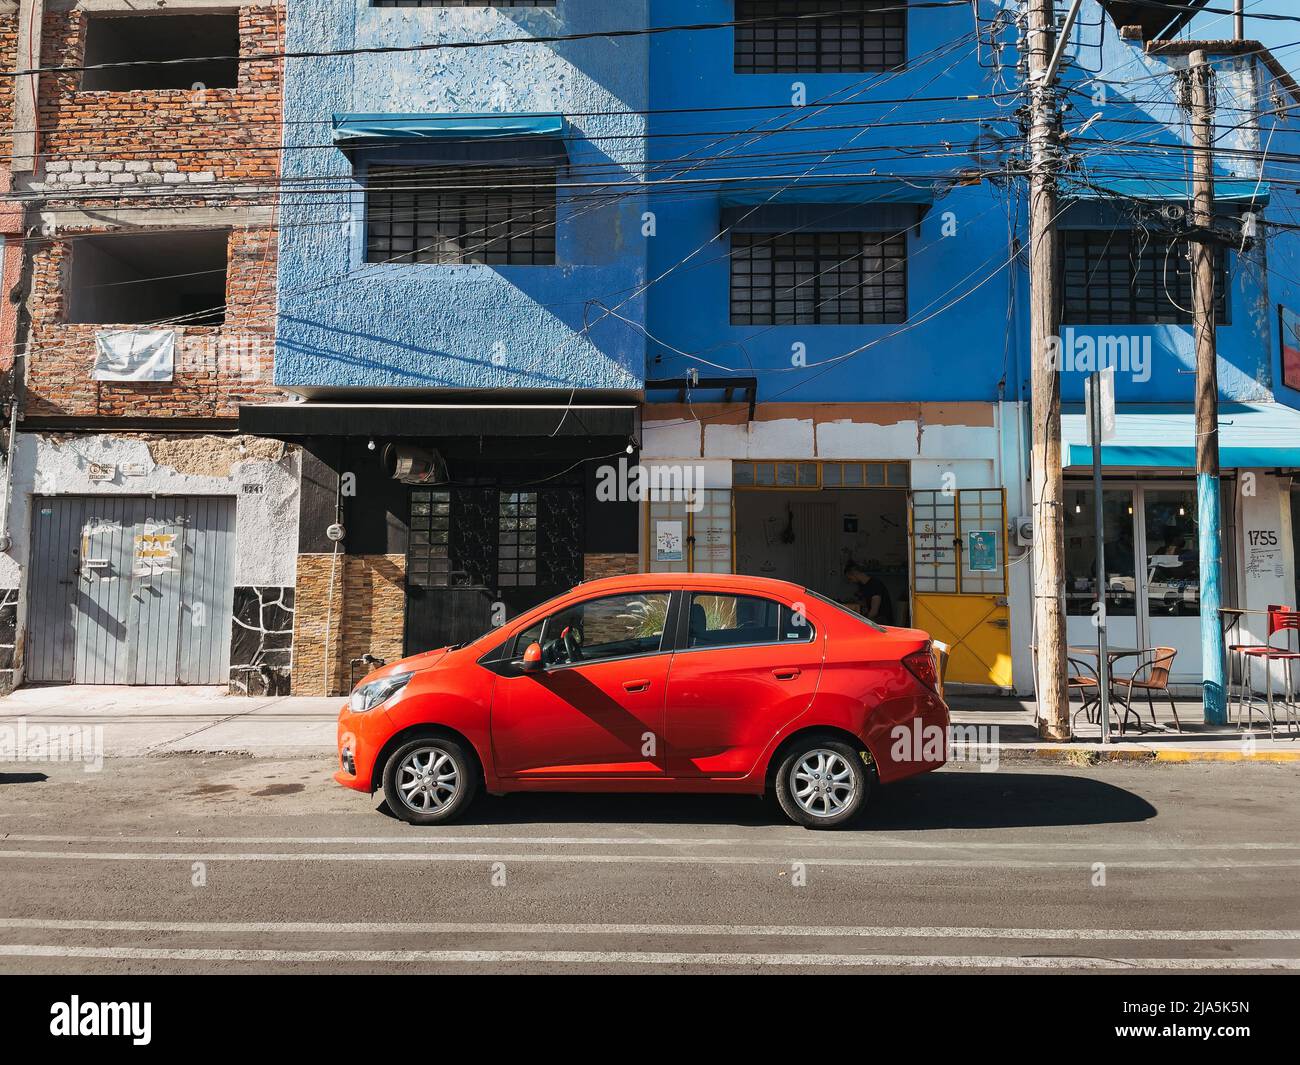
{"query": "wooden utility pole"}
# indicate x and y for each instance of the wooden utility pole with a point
(1209, 516)
(1046, 480)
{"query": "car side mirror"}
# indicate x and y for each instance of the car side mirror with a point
(532, 660)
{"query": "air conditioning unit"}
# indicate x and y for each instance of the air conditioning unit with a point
(1024, 531)
(414, 465)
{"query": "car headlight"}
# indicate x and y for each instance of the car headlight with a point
(368, 696)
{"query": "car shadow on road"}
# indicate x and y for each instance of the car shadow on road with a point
(945, 800)
(22, 778)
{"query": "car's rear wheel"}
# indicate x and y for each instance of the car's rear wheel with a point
(430, 780)
(823, 783)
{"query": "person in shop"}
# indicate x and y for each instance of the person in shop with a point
(871, 594)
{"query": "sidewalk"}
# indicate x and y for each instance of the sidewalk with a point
(165, 720)
(1017, 734)
(140, 721)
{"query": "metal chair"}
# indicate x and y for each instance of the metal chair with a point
(1150, 676)
(1083, 679)
(1285, 620)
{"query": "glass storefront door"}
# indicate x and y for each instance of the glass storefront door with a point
(1152, 571)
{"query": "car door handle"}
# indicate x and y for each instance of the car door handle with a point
(636, 685)
(786, 674)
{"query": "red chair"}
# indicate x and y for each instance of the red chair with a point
(1285, 620)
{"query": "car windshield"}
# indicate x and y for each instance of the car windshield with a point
(841, 607)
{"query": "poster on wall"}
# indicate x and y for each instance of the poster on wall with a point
(1290, 348)
(669, 541)
(982, 553)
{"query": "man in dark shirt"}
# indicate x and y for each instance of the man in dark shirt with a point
(872, 595)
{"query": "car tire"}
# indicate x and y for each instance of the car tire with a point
(823, 782)
(430, 780)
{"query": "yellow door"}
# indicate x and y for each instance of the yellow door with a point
(959, 581)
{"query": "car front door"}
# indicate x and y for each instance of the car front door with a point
(596, 709)
(747, 666)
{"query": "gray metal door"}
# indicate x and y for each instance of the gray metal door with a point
(131, 589)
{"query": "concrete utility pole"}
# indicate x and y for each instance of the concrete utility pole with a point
(1207, 392)
(1044, 53)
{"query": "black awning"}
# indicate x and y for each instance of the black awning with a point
(285, 421)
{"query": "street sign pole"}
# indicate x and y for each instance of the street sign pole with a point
(1101, 427)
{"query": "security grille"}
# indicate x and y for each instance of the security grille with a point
(1127, 277)
(494, 216)
(818, 279)
(832, 36)
(517, 539)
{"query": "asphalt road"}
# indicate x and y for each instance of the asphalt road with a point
(203, 863)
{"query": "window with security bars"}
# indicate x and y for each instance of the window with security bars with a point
(818, 279)
(1128, 277)
(497, 216)
(820, 36)
(428, 557)
(517, 539)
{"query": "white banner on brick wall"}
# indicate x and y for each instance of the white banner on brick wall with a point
(135, 355)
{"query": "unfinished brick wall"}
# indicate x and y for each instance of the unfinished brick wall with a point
(157, 151)
(162, 141)
(217, 367)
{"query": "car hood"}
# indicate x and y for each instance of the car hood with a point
(411, 664)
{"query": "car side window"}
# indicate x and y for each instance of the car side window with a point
(613, 626)
(736, 620)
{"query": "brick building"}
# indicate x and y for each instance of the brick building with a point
(147, 541)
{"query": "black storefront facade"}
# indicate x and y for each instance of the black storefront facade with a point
(427, 524)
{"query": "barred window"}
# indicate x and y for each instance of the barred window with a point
(428, 561)
(1129, 277)
(832, 36)
(517, 539)
(462, 3)
(498, 216)
(818, 279)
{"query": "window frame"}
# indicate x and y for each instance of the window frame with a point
(422, 203)
(1133, 240)
(740, 251)
(746, 46)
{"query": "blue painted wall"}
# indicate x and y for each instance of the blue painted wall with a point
(966, 336)
(621, 307)
(343, 323)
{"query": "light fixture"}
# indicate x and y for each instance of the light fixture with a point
(370, 446)
(1182, 512)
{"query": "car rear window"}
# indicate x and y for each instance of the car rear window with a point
(844, 609)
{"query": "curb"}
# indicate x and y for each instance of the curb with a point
(1094, 754)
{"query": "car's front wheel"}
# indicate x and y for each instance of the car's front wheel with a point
(430, 780)
(823, 783)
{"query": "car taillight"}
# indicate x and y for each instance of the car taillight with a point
(921, 665)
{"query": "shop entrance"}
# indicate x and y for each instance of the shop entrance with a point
(850, 516)
(1153, 587)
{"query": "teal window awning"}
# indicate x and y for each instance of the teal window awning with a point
(1251, 436)
(1172, 188)
(844, 204)
(538, 138)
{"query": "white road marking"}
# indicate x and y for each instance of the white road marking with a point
(623, 957)
(795, 854)
(801, 838)
(766, 931)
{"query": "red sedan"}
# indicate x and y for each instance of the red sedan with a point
(655, 682)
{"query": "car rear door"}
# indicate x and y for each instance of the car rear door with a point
(596, 714)
(746, 666)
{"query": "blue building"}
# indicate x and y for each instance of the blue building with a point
(862, 265)
(749, 292)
